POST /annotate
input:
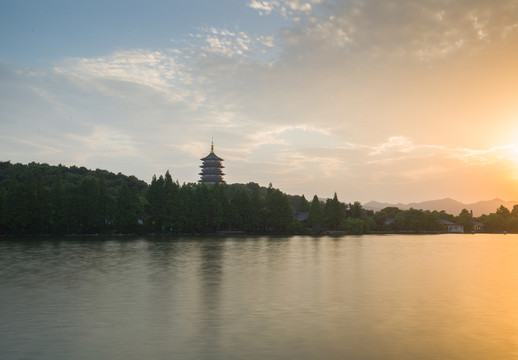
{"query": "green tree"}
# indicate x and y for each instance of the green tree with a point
(503, 212)
(256, 219)
(57, 205)
(303, 204)
(17, 207)
(186, 208)
(105, 205)
(88, 202)
(156, 199)
(316, 214)
(278, 209)
(417, 221)
(40, 208)
(355, 210)
(240, 206)
(3, 211)
(384, 219)
(493, 223)
(170, 202)
(201, 208)
(126, 218)
(334, 213)
(222, 208)
(466, 220)
(354, 226)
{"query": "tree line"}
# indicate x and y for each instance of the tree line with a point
(40, 199)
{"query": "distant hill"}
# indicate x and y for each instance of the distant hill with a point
(451, 206)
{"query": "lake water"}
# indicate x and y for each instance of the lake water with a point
(366, 297)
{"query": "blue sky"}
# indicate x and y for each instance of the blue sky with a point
(35, 32)
(389, 101)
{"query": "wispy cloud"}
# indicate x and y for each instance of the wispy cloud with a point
(10, 143)
(156, 69)
(342, 96)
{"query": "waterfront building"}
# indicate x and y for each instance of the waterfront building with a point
(452, 227)
(211, 168)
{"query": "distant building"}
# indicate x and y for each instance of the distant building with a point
(452, 227)
(211, 168)
(300, 215)
(478, 226)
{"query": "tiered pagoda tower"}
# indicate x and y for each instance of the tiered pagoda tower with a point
(211, 168)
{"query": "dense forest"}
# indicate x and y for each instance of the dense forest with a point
(40, 199)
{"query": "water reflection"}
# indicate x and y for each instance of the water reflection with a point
(369, 297)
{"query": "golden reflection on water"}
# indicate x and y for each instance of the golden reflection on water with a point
(442, 297)
(361, 298)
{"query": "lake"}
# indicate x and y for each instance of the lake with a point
(348, 297)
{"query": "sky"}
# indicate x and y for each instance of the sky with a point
(393, 101)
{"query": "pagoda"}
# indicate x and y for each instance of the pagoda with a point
(211, 168)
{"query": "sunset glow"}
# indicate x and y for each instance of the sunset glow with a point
(395, 102)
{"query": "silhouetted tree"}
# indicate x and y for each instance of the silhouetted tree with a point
(240, 206)
(303, 204)
(334, 213)
(126, 218)
(465, 219)
(316, 214)
(278, 209)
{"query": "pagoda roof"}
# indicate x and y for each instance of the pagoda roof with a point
(212, 156)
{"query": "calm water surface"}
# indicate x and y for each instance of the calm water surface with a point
(368, 297)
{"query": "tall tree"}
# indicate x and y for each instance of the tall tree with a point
(3, 211)
(256, 219)
(240, 206)
(105, 205)
(279, 210)
(57, 205)
(503, 212)
(465, 219)
(303, 204)
(170, 193)
(355, 210)
(88, 201)
(186, 208)
(221, 206)
(157, 204)
(316, 216)
(334, 213)
(17, 207)
(127, 210)
(40, 206)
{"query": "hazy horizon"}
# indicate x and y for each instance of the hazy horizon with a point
(392, 102)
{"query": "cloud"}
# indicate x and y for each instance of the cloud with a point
(10, 145)
(369, 99)
(156, 69)
(403, 29)
(264, 7)
(287, 8)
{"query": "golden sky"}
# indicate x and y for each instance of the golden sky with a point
(394, 101)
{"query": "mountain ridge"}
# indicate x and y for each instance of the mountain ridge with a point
(449, 205)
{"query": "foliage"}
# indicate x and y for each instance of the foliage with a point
(417, 221)
(465, 219)
(316, 216)
(279, 213)
(40, 199)
(334, 213)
